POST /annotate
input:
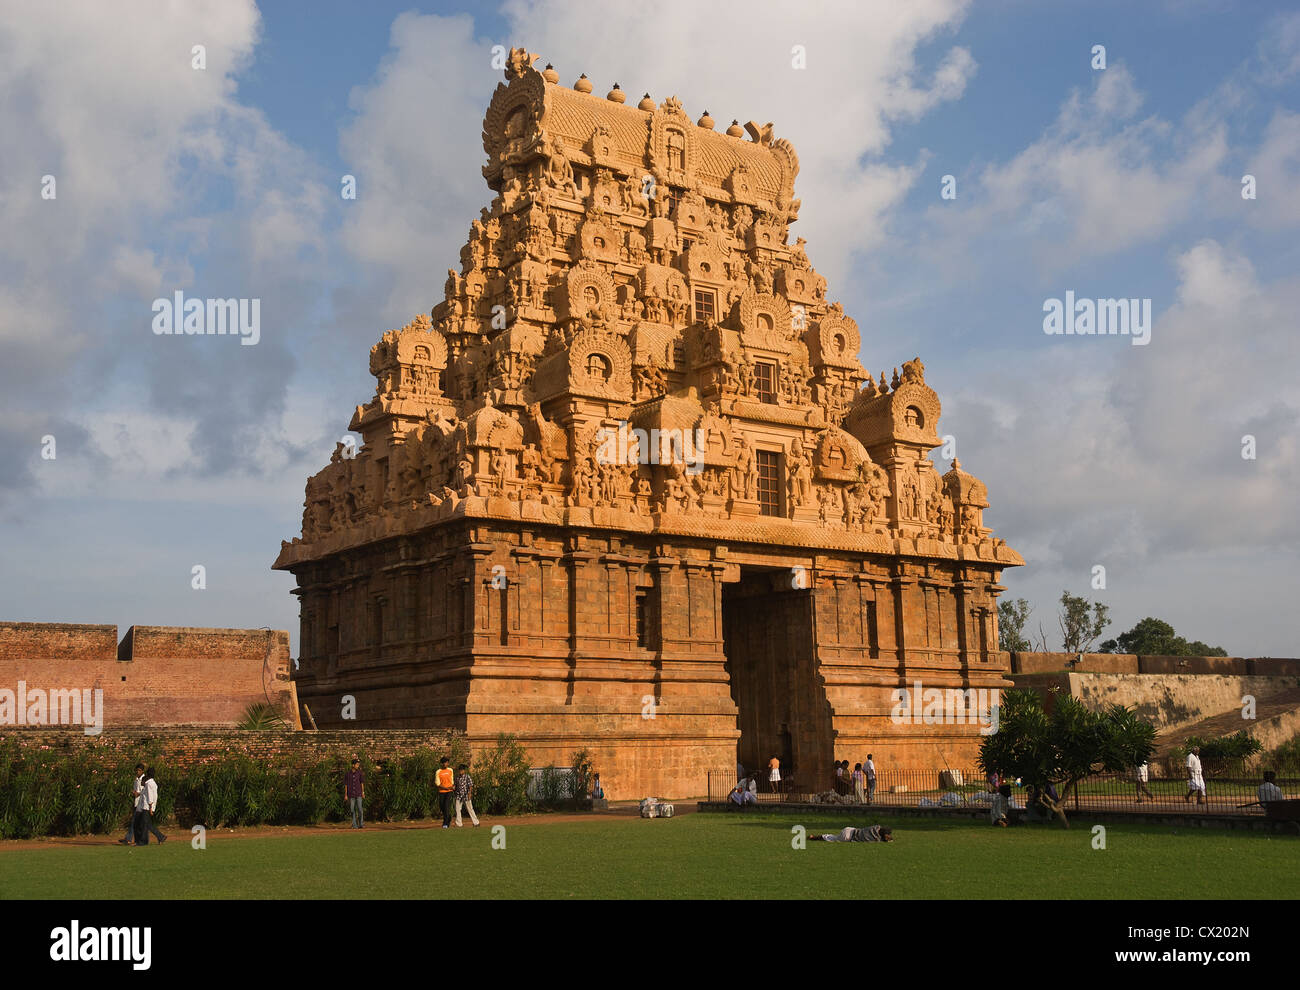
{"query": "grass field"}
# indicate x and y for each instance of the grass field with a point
(695, 855)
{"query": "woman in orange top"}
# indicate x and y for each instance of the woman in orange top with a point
(445, 779)
(774, 773)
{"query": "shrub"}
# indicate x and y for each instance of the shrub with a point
(501, 778)
(1226, 753)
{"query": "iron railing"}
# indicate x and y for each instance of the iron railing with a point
(1231, 794)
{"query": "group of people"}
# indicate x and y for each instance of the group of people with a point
(861, 779)
(144, 805)
(455, 789)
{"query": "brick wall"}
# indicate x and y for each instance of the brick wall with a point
(1128, 663)
(186, 746)
(157, 675)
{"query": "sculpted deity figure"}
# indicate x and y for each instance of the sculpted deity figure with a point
(746, 375)
(464, 471)
(559, 172)
(799, 481)
(946, 518)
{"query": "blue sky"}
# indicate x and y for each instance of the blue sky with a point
(225, 182)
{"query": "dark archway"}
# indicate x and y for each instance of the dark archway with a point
(769, 640)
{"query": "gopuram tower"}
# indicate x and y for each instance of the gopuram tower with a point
(628, 486)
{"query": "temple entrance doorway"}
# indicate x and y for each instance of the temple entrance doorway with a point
(768, 639)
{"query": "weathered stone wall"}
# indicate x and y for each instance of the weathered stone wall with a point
(157, 675)
(661, 657)
(1128, 663)
(1167, 701)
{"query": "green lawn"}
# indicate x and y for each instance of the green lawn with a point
(698, 855)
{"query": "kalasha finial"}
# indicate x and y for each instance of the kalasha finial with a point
(583, 85)
(616, 95)
(706, 121)
(549, 74)
(646, 103)
(734, 130)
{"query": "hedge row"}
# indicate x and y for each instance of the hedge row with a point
(50, 792)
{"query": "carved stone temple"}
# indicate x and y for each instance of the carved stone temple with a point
(628, 486)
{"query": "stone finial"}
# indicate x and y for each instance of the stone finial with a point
(549, 74)
(646, 103)
(734, 130)
(583, 85)
(518, 63)
(616, 95)
(706, 121)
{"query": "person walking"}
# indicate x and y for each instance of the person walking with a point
(870, 771)
(150, 784)
(1195, 779)
(859, 784)
(136, 787)
(1140, 777)
(465, 795)
(445, 780)
(140, 817)
(774, 773)
(354, 792)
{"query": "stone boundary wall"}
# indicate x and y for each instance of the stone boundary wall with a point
(185, 747)
(1167, 701)
(1128, 663)
(156, 675)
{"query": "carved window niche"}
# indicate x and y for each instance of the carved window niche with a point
(706, 305)
(676, 151)
(768, 483)
(599, 367)
(765, 381)
(913, 418)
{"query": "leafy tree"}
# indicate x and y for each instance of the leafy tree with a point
(1155, 637)
(1012, 616)
(1064, 747)
(1079, 629)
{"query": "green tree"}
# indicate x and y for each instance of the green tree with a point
(1064, 747)
(1012, 616)
(1155, 637)
(1079, 628)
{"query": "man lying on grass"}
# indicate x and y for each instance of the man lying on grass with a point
(870, 833)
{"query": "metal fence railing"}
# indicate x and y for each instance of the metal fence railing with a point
(1234, 794)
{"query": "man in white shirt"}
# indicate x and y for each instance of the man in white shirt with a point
(139, 820)
(1195, 781)
(136, 787)
(1269, 791)
(869, 768)
(150, 786)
